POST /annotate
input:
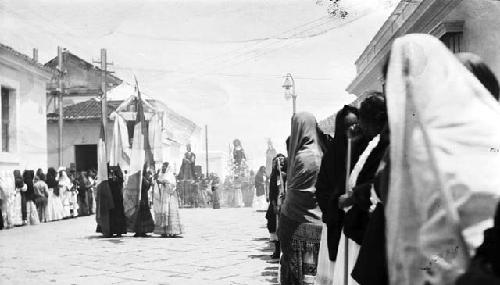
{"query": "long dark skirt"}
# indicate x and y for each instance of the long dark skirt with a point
(271, 219)
(300, 247)
(24, 209)
(90, 201)
(117, 220)
(83, 206)
(1, 215)
(144, 223)
(215, 199)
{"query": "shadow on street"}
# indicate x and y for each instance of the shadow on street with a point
(271, 270)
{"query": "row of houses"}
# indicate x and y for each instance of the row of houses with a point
(30, 113)
(462, 25)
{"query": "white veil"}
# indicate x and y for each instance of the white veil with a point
(445, 162)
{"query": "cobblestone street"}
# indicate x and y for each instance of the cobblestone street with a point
(226, 246)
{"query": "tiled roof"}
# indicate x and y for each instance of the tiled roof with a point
(27, 59)
(86, 110)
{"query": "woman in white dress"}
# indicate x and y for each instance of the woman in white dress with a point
(17, 217)
(166, 204)
(65, 186)
(54, 204)
(8, 192)
(444, 183)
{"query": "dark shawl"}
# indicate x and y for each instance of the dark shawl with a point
(117, 220)
(357, 218)
(331, 178)
(485, 266)
(260, 183)
(51, 181)
(28, 176)
(18, 179)
(371, 264)
(274, 193)
(306, 151)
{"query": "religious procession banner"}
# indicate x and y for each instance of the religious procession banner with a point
(141, 154)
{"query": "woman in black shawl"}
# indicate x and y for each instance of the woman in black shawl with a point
(300, 221)
(331, 178)
(117, 220)
(144, 221)
(272, 210)
(31, 211)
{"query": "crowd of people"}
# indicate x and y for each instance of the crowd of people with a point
(407, 189)
(33, 198)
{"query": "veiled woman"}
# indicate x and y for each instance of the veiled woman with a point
(300, 220)
(260, 180)
(166, 204)
(276, 181)
(65, 186)
(444, 182)
(31, 210)
(117, 220)
(144, 223)
(55, 210)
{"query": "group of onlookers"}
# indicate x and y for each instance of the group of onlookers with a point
(31, 198)
(407, 189)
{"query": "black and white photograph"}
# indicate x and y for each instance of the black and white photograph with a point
(248, 142)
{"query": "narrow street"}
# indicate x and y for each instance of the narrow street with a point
(225, 246)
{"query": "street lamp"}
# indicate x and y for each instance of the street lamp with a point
(289, 86)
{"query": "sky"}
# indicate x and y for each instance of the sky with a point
(220, 63)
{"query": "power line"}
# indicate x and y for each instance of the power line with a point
(292, 43)
(253, 45)
(244, 75)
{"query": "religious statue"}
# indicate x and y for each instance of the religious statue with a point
(187, 176)
(188, 163)
(238, 153)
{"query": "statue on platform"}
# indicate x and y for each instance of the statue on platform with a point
(188, 163)
(270, 154)
(187, 176)
(238, 152)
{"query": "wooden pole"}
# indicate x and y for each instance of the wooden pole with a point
(61, 112)
(103, 88)
(346, 244)
(206, 148)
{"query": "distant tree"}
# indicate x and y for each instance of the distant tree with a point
(335, 9)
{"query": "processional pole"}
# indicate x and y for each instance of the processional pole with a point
(347, 174)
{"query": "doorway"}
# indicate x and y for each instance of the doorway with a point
(86, 157)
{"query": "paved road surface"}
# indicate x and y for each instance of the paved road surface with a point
(225, 246)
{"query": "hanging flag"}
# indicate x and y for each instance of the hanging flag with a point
(104, 199)
(140, 156)
(119, 153)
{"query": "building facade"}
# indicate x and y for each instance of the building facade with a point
(81, 81)
(82, 123)
(23, 111)
(462, 25)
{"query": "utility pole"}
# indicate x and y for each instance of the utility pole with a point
(60, 93)
(104, 70)
(206, 148)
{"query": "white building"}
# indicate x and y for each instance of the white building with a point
(23, 111)
(463, 25)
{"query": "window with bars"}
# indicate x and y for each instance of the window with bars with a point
(454, 41)
(5, 119)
